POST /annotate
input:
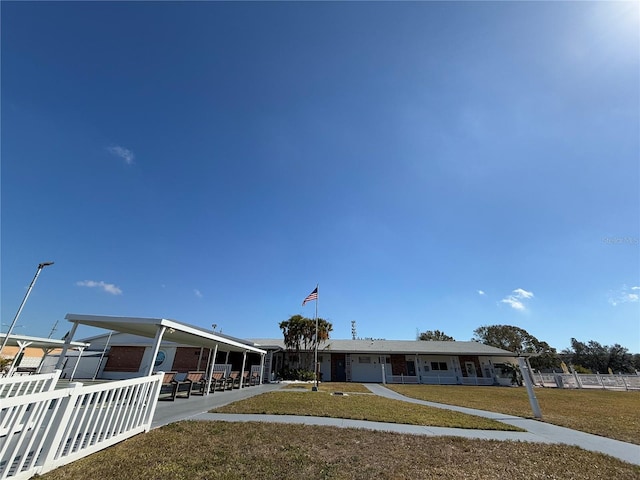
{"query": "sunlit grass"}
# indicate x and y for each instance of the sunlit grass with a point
(607, 413)
(357, 407)
(234, 451)
(330, 387)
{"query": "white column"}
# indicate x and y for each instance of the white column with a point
(45, 351)
(156, 348)
(261, 367)
(244, 359)
(14, 364)
(76, 365)
(67, 341)
(526, 377)
(212, 363)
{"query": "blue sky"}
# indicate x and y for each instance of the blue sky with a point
(434, 165)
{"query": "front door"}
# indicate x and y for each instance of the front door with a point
(471, 369)
(411, 368)
(338, 370)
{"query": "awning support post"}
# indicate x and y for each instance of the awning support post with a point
(68, 338)
(156, 348)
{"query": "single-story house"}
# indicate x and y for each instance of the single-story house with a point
(400, 361)
(132, 347)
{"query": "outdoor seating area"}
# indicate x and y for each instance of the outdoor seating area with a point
(172, 385)
(183, 385)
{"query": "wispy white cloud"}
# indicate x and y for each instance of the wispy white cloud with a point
(520, 293)
(624, 295)
(124, 153)
(198, 293)
(517, 298)
(107, 287)
(481, 292)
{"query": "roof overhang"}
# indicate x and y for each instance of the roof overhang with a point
(176, 332)
(38, 342)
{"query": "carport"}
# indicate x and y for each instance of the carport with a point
(22, 342)
(167, 329)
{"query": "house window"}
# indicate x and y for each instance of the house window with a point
(364, 359)
(439, 366)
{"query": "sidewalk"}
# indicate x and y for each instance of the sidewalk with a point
(541, 432)
(196, 408)
(188, 408)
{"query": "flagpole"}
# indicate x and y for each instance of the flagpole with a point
(316, 357)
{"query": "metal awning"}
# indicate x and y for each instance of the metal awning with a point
(174, 331)
(38, 342)
(163, 328)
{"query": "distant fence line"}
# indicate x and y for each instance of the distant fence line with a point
(588, 380)
(549, 380)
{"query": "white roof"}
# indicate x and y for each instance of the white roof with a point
(38, 342)
(177, 332)
(421, 347)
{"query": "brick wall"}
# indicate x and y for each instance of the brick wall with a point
(124, 359)
(186, 359)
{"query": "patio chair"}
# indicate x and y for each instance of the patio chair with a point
(234, 380)
(169, 388)
(198, 382)
(183, 385)
(218, 382)
(254, 379)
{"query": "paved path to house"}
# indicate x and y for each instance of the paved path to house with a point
(196, 408)
(541, 431)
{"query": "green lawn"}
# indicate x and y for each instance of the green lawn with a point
(330, 387)
(607, 413)
(233, 451)
(357, 407)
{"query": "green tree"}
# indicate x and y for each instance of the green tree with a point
(518, 340)
(5, 363)
(436, 335)
(597, 358)
(635, 361)
(300, 337)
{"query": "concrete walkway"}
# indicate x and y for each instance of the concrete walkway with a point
(196, 408)
(541, 431)
(189, 408)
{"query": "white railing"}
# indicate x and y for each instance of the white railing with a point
(225, 368)
(583, 380)
(402, 379)
(19, 385)
(439, 379)
(477, 381)
(46, 430)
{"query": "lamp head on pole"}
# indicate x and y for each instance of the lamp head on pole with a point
(45, 264)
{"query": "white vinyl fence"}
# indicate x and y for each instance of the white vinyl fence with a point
(23, 385)
(403, 379)
(582, 380)
(43, 430)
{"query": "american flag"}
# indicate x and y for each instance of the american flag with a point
(312, 296)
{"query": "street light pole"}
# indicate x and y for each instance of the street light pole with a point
(24, 300)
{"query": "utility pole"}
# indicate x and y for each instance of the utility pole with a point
(24, 300)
